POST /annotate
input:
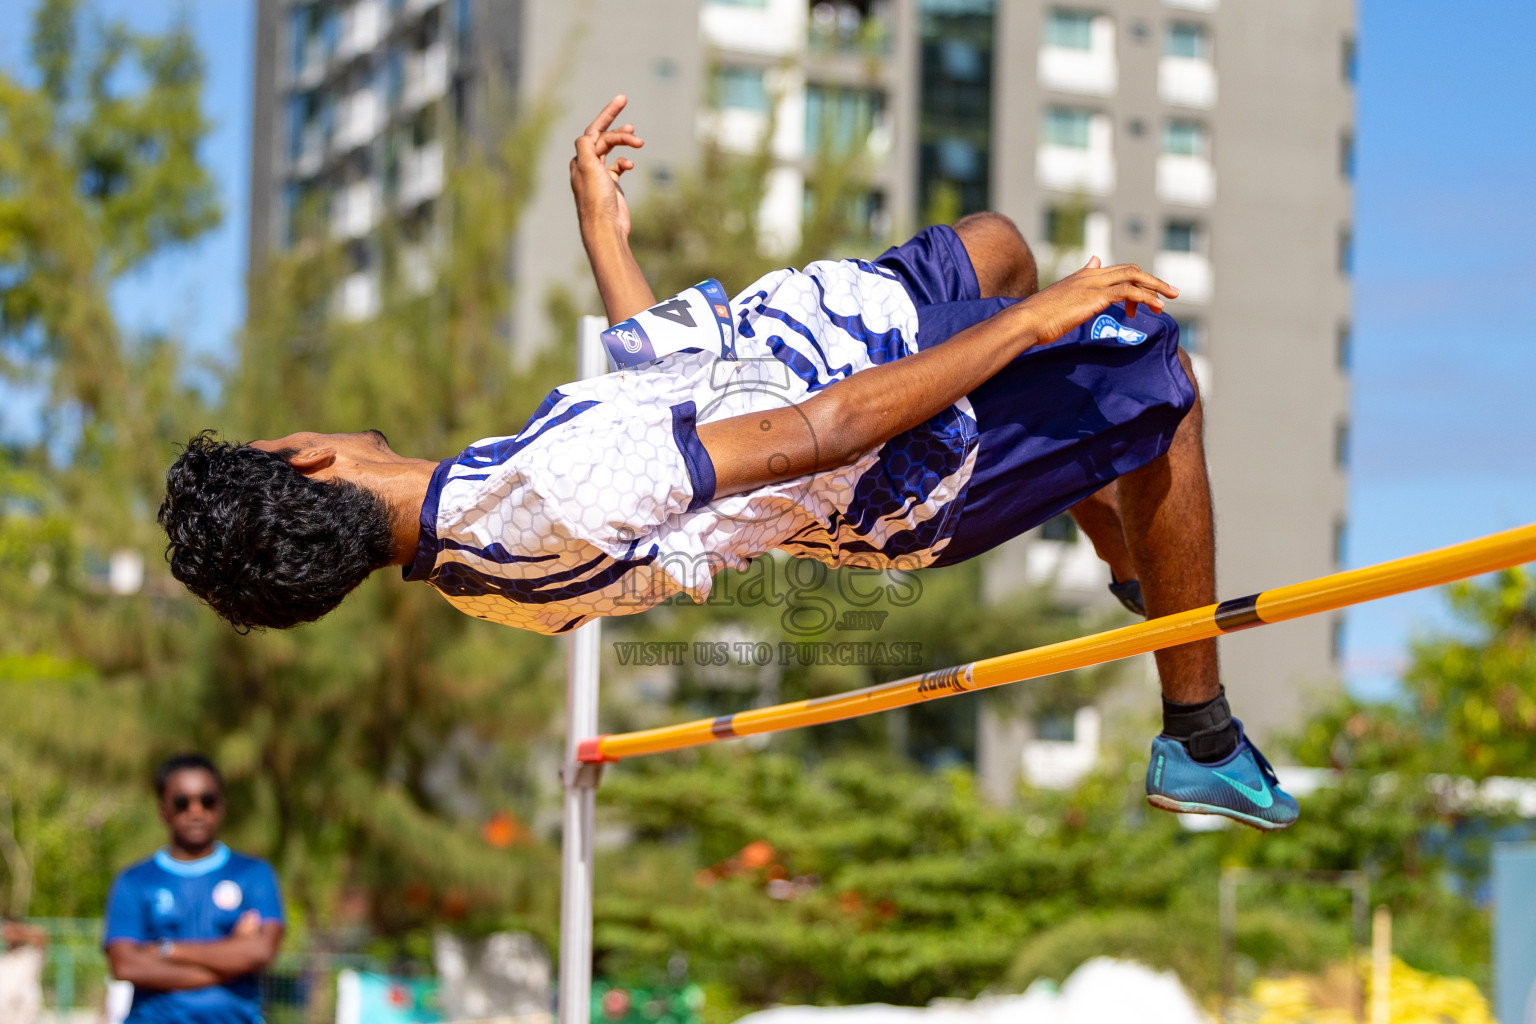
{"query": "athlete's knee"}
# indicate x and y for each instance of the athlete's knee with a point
(1001, 257)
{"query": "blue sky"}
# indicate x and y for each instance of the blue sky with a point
(1444, 442)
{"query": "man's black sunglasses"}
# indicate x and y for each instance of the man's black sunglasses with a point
(209, 801)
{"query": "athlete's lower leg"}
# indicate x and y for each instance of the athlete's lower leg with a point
(1166, 510)
(1098, 516)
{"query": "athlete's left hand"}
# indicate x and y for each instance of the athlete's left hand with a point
(1090, 291)
(594, 182)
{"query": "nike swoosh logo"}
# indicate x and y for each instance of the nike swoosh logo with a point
(1260, 797)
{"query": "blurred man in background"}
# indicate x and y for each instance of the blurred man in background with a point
(192, 925)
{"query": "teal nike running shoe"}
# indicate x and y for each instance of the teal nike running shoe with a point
(1242, 786)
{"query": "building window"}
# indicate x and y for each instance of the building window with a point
(1186, 138)
(1337, 639)
(1351, 61)
(1069, 30)
(955, 109)
(1066, 227)
(738, 88)
(1062, 529)
(1347, 155)
(958, 159)
(1056, 727)
(664, 70)
(302, 23)
(463, 24)
(1344, 347)
(1192, 335)
(1186, 39)
(1067, 127)
(1339, 529)
(392, 74)
(962, 60)
(1346, 251)
(1341, 445)
(1182, 236)
(839, 121)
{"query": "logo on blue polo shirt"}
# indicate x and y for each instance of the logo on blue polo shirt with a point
(165, 902)
(1107, 326)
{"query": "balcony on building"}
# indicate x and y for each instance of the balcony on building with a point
(309, 152)
(421, 173)
(1183, 262)
(742, 98)
(849, 26)
(779, 213)
(1063, 749)
(1079, 53)
(775, 28)
(418, 263)
(1185, 174)
(1076, 152)
(357, 298)
(355, 209)
(1203, 6)
(359, 116)
(1060, 556)
(360, 29)
(426, 76)
(1186, 76)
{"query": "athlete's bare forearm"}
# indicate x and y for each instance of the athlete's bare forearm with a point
(603, 213)
(620, 282)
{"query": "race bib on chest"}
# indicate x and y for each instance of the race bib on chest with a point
(698, 317)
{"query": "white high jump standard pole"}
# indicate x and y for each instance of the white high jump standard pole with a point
(583, 656)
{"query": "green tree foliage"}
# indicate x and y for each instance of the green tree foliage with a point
(365, 754)
(889, 884)
(95, 178)
(376, 744)
(98, 173)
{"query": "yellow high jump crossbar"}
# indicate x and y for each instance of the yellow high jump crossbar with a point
(1428, 569)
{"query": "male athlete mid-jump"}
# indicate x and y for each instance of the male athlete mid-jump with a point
(912, 411)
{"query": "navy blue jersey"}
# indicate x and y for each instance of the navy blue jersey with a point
(189, 901)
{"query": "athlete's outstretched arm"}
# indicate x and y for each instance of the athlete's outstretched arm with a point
(603, 213)
(863, 411)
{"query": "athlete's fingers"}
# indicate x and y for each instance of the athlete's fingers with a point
(1131, 272)
(621, 165)
(1132, 295)
(606, 117)
(607, 142)
(1094, 263)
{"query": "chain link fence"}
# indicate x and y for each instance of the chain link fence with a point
(299, 987)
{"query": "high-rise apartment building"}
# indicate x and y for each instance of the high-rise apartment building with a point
(1209, 140)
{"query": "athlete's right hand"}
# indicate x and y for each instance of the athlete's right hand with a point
(599, 199)
(1090, 291)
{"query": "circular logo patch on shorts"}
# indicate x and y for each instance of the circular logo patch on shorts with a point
(227, 895)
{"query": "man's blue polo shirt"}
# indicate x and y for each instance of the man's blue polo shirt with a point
(190, 901)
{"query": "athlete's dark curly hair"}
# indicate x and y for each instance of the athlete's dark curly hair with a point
(261, 542)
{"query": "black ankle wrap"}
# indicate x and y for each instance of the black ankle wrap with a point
(1206, 729)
